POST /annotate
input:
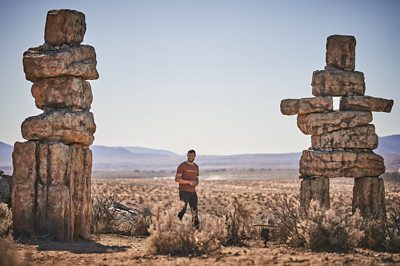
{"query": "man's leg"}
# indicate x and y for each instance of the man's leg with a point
(193, 202)
(184, 197)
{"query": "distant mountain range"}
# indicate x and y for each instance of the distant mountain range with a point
(144, 159)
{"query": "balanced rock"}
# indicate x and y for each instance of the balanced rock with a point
(319, 123)
(62, 126)
(52, 184)
(306, 105)
(78, 61)
(362, 137)
(314, 189)
(341, 52)
(337, 83)
(63, 92)
(64, 27)
(340, 164)
(365, 103)
(369, 197)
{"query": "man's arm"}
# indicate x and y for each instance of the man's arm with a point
(180, 180)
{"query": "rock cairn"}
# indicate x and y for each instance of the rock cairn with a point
(341, 140)
(52, 170)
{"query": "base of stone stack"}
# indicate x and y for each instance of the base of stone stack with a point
(51, 190)
(369, 197)
(316, 188)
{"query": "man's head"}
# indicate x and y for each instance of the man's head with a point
(191, 154)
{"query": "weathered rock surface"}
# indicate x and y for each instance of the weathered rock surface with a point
(369, 197)
(63, 92)
(341, 164)
(5, 188)
(341, 52)
(78, 61)
(62, 126)
(314, 189)
(306, 105)
(57, 199)
(365, 103)
(320, 123)
(23, 187)
(64, 27)
(337, 83)
(362, 137)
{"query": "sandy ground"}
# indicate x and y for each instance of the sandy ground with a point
(106, 249)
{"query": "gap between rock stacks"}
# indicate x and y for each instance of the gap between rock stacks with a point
(52, 170)
(342, 141)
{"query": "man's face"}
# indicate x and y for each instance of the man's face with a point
(191, 156)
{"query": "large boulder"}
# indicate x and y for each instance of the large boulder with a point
(341, 52)
(61, 126)
(365, 103)
(64, 27)
(334, 82)
(63, 92)
(320, 123)
(52, 189)
(341, 164)
(306, 105)
(362, 137)
(43, 62)
(369, 197)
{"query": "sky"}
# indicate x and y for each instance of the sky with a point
(207, 75)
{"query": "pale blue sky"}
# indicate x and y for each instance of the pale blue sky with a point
(208, 75)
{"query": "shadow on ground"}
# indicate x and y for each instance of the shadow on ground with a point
(77, 246)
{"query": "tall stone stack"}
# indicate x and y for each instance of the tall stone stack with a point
(52, 170)
(342, 141)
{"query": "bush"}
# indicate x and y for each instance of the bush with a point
(317, 228)
(170, 236)
(238, 222)
(108, 218)
(393, 230)
(5, 221)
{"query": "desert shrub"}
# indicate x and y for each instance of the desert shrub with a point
(383, 234)
(285, 214)
(169, 235)
(238, 220)
(392, 242)
(8, 254)
(5, 221)
(316, 228)
(107, 218)
(332, 229)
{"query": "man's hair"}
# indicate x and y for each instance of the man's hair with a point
(192, 151)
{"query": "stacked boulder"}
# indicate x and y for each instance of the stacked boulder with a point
(341, 140)
(52, 170)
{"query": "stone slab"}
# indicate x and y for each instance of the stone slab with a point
(64, 26)
(314, 189)
(78, 61)
(306, 105)
(320, 123)
(70, 93)
(337, 83)
(341, 52)
(60, 126)
(340, 164)
(369, 197)
(362, 137)
(365, 103)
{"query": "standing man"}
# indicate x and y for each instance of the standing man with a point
(187, 175)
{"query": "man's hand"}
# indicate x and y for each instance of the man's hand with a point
(193, 183)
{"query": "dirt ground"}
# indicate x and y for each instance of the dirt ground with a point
(107, 249)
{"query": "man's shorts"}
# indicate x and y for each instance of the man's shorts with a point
(189, 197)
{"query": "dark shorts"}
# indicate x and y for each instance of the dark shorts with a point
(189, 197)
